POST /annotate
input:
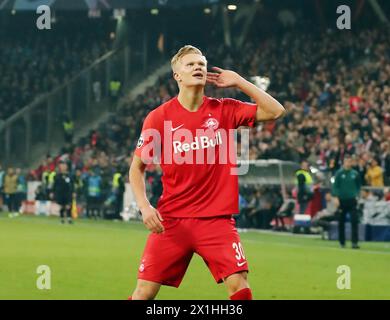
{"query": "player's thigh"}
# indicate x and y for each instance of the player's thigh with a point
(220, 247)
(166, 256)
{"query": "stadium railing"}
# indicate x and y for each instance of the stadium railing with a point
(268, 172)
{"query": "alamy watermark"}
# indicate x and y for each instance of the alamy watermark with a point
(344, 20)
(44, 280)
(344, 280)
(44, 20)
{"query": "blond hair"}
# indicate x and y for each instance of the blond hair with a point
(182, 52)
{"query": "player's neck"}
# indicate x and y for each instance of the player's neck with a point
(191, 99)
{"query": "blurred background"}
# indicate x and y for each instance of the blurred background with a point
(78, 93)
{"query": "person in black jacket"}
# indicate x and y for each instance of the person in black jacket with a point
(63, 192)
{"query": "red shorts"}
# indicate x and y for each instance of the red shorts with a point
(167, 255)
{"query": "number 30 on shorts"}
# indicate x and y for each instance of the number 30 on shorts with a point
(239, 250)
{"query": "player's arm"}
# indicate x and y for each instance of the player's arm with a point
(151, 217)
(53, 191)
(268, 108)
(368, 178)
(335, 186)
(72, 187)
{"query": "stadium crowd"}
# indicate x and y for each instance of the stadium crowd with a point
(34, 65)
(335, 87)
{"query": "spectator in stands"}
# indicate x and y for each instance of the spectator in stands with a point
(361, 168)
(94, 137)
(118, 190)
(2, 175)
(285, 211)
(327, 214)
(79, 185)
(264, 212)
(21, 189)
(97, 91)
(68, 127)
(253, 212)
(48, 178)
(242, 205)
(367, 195)
(40, 194)
(387, 194)
(115, 90)
(10, 188)
(304, 182)
(374, 175)
(385, 162)
(94, 194)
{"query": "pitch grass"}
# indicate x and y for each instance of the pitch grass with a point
(99, 260)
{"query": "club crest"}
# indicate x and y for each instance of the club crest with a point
(211, 123)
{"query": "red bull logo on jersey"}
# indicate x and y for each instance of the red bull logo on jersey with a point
(201, 142)
(176, 144)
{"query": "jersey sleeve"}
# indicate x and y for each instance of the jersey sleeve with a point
(241, 113)
(148, 140)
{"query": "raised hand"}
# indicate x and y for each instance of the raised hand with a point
(223, 78)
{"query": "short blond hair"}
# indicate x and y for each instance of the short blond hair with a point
(187, 49)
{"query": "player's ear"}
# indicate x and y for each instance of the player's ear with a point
(176, 76)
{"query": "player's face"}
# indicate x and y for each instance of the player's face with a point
(63, 167)
(348, 163)
(305, 166)
(192, 70)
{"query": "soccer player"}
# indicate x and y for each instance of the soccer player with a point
(194, 212)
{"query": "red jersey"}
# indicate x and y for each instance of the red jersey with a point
(196, 152)
(354, 104)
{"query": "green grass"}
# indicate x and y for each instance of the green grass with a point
(99, 260)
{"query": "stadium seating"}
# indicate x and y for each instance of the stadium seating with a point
(34, 63)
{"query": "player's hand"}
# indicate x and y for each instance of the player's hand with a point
(152, 219)
(223, 78)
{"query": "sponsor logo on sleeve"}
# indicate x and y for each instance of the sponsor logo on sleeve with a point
(140, 142)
